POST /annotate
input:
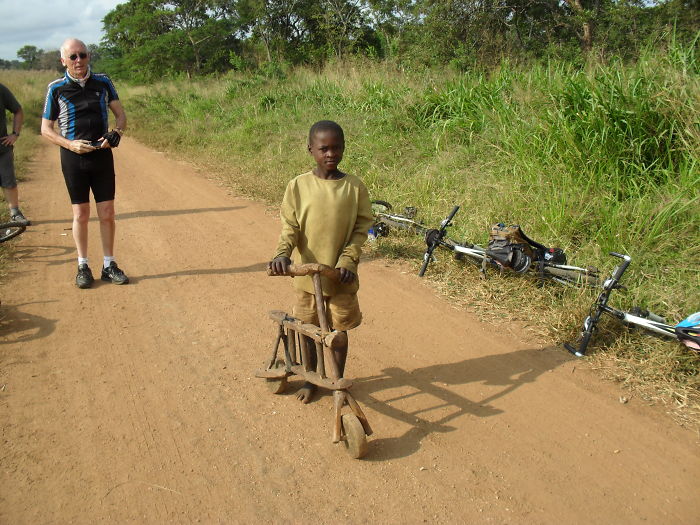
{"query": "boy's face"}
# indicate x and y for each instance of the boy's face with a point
(327, 149)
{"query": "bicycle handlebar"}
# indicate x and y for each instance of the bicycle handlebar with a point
(583, 344)
(449, 218)
(433, 239)
(591, 323)
(620, 269)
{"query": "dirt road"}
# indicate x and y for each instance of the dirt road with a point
(138, 404)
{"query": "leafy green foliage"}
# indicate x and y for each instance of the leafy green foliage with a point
(30, 55)
(146, 39)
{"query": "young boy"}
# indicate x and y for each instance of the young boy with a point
(325, 218)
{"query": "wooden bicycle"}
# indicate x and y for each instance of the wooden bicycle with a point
(352, 428)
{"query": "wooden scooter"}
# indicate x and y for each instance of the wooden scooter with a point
(352, 427)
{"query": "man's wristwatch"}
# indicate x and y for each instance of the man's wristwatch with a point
(15, 133)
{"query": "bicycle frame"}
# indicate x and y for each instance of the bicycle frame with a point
(474, 251)
(478, 253)
(560, 273)
(434, 238)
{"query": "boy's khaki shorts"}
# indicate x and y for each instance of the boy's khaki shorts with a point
(342, 311)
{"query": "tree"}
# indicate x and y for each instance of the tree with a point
(390, 18)
(179, 35)
(50, 60)
(30, 55)
(584, 16)
(281, 26)
(341, 24)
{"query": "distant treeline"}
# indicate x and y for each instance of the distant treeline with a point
(146, 39)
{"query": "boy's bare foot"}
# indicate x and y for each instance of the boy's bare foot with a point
(306, 393)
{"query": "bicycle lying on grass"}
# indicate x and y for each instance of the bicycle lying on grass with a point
(687, 331)
(545, 263)
(10, 230)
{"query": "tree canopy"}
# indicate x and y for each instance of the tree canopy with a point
(149, 38)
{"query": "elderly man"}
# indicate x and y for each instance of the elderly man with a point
(79, 102)
(8, 102)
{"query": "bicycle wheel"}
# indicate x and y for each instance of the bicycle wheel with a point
(9, 230)
(570, 276)
(400, 222)
(355, 437)
(277, 386)
(380, 206)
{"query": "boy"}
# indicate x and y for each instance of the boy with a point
(325, 216)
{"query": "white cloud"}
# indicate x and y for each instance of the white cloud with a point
(47, 23)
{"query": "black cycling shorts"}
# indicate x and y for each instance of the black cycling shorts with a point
(91, 171)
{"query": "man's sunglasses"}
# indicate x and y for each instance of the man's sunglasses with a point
(75, 56)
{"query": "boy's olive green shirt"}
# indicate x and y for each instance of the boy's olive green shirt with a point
(325, 221)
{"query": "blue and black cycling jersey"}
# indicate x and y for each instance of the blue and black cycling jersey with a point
(82, 112)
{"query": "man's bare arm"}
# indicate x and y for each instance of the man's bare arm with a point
(119, 114)
(76, 146)
(17, 121)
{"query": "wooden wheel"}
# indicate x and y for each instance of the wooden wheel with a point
(277, 386)
(355, 438)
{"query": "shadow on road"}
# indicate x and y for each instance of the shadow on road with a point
(49, 255)
(142, 214)
(433, 404)
(17, 326)
(257, 267)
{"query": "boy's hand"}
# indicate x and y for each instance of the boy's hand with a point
(279, 265)
(346, 276)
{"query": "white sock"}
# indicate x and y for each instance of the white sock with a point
(107, 260)
(82, 260)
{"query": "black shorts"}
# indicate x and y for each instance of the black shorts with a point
(91, 171)
(7, 168)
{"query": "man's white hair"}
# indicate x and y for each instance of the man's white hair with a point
(67, 42)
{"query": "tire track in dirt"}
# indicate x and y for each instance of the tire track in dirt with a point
(138, 403)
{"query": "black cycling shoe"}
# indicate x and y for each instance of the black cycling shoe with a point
(19, 217)
(84, 279)
(114, 274)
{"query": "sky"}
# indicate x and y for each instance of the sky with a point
(47, 23)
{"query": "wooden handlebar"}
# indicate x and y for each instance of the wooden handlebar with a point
(299, 270)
